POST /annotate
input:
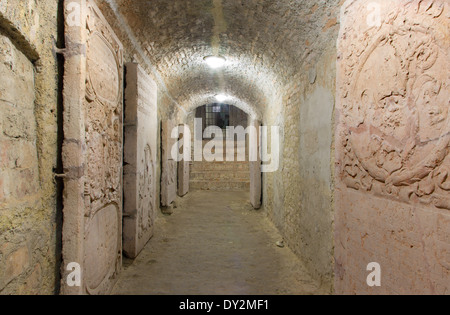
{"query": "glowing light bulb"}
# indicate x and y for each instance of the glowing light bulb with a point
(215, 62)
(221, 98)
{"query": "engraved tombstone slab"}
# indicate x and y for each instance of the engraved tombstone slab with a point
(255, 165)
(392, 147)
(394, 122)
(141, 143)
(169, 165)
(183, 166)
(92, 149)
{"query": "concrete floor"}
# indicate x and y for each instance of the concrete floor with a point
(215, 244)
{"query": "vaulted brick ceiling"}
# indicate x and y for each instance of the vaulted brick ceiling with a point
(265, 42)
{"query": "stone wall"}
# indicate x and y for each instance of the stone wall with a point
(308, 202)
(392, 147)
(19, 182)
(29, 250)
(298, 198)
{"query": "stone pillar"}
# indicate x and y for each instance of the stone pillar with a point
(141, 135)
(169, 165)
(255, 164)
(184, 165)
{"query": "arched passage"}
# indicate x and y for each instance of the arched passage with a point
(357, 91)
(270, 71)
(227, 140)
(201, 99)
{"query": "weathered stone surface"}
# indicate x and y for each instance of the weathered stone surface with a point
(18, 157)
(19, 170)
(298, 198)
(22, 21)
(392, 148)
(92, 151)
(140, 156)
(17, 263)
(28, 113)
(169, 165)
(33, 282)
(183, 166)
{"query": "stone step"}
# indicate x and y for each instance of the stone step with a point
(220, 166)
(220, 185)
(225, 152)
(221, 175)
(236, 142)
(224, 160)
(224, 148)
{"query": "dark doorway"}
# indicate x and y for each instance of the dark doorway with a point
(222, 116)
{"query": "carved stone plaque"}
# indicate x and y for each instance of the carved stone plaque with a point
(397, 124)
(169, 165)
(392, 188)
(141, 135)
(184, 165)
(255, 166)
(92, 150)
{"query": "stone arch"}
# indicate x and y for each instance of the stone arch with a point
(199, 100)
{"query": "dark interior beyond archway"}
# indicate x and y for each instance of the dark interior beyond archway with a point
(222, 116)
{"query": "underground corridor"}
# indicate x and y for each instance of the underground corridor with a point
(211, 147)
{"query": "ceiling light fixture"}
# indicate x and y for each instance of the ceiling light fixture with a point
(221, 98)
(215, 62)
